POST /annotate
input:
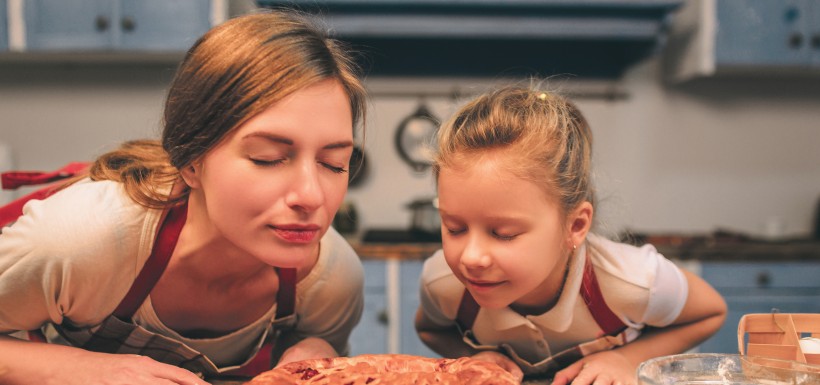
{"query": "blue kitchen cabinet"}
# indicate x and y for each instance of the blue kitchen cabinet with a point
(377, 326)
(102, 25)
(370, 335)
(765, 33)
(760, 287)
(410, 342)
(4, 26)
(746, 37)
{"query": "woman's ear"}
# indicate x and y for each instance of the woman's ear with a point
(191, 173)
(579, 222)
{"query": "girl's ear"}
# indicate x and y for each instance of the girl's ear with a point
(579, 222)
(191, 173)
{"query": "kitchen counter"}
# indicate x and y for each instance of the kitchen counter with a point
(747, 251)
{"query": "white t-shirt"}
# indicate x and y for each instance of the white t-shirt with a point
(639, 285)
(75, 255)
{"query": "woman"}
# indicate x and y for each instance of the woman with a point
(196, 251)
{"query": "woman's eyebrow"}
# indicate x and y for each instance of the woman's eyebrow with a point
(269, 136)
(289, 142)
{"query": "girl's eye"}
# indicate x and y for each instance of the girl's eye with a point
(266, 162)
(338, 170)
(454, 231)
(504, 237)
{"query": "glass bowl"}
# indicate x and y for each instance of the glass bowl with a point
(725, 369)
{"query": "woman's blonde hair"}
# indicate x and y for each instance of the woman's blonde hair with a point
(233, 72)
(547, 136)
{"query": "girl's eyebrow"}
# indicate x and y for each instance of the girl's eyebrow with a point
(289, 142)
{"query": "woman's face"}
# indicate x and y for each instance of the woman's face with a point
(272, 187)
(502, 235)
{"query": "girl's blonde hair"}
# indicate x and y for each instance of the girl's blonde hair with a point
(549, 140)
(233, 72)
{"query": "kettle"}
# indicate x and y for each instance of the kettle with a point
(425, 216)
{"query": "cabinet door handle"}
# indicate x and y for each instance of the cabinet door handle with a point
(764, 279)
(795, 40)
(382, 317)
(101, 23)
(128, 23)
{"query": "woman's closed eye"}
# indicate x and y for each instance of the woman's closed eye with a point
(336, 169)
(267, 162)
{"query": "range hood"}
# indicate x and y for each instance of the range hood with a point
(483, 38)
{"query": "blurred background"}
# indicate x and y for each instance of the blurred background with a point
(705, 114)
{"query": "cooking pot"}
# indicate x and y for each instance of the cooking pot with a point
(425, 217)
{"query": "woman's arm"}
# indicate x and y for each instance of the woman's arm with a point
(701, 317)
(24, 362)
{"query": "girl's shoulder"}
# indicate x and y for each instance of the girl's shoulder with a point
(636, 265)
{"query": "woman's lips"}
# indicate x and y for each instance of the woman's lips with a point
(296, 233)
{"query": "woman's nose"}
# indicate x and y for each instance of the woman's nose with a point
(305, 193)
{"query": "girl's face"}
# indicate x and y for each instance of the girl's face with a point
(502, 235)
(273, 185)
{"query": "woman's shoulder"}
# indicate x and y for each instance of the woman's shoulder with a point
(88, 232)
(338, 264)
(86, 221)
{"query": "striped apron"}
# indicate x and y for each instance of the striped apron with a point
(614, 331)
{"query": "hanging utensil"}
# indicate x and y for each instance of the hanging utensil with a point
(416, 138)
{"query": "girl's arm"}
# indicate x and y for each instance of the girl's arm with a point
(444, 340)
(24, 362)
(701, 317)
(448, 342)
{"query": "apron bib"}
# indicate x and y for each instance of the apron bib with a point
(117, 334)
(614, 331)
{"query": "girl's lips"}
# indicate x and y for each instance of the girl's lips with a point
(484, 285)
(296, 233)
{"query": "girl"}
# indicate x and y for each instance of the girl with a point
(205, 249)
(521, 280)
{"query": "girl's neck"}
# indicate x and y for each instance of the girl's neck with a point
(555, 285)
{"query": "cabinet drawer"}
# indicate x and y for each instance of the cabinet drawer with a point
(4, 27)
(762, 275)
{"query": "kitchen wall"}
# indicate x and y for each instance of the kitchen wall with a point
(734, 154)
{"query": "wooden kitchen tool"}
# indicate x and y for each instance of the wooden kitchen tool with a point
(777, 335)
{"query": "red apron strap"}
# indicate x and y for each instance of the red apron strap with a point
(285, 306)
(467, 311)
(286, 296)
(167, 235)
(591, 292)
(14, 179)
(36, 336)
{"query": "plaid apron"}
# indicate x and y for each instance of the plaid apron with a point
(614, 331)
(117, 334)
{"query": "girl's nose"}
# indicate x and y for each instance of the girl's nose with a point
(305, 193)
(475, 255)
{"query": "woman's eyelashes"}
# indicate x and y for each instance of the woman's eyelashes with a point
(275, 162)
(266, 162)
(336, 169)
